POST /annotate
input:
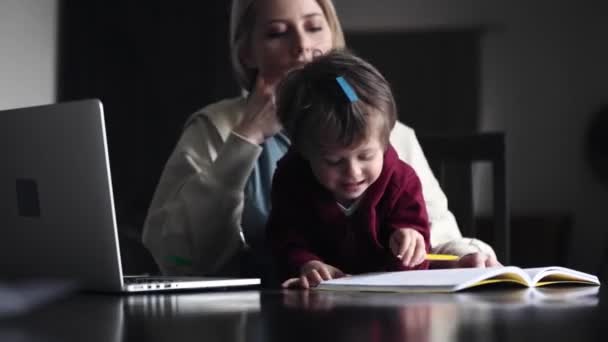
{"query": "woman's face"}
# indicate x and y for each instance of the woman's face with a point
(287, 34)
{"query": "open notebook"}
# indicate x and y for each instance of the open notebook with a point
(457, 279)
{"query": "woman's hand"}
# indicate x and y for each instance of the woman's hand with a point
(478, 259)
(408, 245)
(260, 120)
(313, 273)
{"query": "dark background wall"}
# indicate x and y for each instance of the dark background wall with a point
(152, 64)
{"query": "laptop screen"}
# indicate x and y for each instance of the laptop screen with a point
(56, 200)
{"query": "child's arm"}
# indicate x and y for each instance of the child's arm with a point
(408, 235)
(290, 248)
(286, 229)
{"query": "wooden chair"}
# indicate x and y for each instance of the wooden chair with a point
(451, 158)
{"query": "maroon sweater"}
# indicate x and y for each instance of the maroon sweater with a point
(306, 223)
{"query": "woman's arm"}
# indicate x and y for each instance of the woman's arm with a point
(445, 235)
(194, 221)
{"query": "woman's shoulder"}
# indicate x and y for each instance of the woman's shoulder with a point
(399, 171)
(404, 140)
(402, 132)
(224, 114)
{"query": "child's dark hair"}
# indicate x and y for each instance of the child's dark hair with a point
(315, 110)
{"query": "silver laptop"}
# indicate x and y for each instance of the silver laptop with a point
(57, 217)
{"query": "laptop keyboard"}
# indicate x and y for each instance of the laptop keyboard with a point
(141, 283)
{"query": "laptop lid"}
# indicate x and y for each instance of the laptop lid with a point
(56, 204)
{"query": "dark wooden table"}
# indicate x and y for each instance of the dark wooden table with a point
(496, 314)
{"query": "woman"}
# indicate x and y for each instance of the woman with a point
(210, 207)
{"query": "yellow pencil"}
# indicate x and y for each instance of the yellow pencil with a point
(441, 257)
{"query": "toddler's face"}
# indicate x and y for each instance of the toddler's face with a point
(348, 171)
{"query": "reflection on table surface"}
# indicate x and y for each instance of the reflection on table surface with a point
(506, 314)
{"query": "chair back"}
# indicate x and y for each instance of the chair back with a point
(451, 157)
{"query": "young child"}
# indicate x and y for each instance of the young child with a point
(342, 201)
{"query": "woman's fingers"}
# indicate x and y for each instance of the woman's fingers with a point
(260, 120)
(263, 94)
(492, 262)
(265, 85)
(473, 260)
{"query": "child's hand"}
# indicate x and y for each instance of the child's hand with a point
(311, 274)
(408, 245)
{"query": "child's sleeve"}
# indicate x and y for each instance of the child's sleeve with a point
(284, 232)
(408, 209)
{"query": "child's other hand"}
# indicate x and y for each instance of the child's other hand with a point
(408, 245)
(311, 274)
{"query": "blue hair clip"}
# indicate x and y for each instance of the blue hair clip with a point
(347, 89)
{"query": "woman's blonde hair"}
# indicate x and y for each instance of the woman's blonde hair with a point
(242, 20)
